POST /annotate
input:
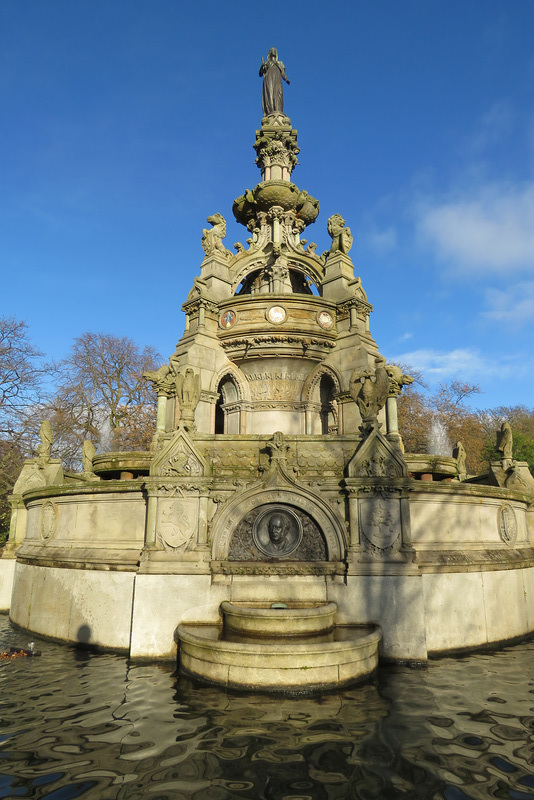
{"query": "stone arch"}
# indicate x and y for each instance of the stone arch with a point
(229, 389)
(305, 266)
(314, 378)
(235, 374)
(225, 521)
(318, 392)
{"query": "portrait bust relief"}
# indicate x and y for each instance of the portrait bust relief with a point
(277, 531)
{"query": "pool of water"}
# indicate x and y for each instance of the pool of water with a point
(78, 724)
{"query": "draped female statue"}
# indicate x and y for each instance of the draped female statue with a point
(273, 72)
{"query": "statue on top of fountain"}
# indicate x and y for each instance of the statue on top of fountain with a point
(273, 73)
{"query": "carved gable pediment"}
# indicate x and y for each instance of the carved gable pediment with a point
(178, 458)
(376, 457)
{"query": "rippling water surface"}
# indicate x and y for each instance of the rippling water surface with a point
(76, 724)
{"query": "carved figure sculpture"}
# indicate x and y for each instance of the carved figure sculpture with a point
(397, 379)
(278, 532)
(44, 450)
(212, 237)
(369, 389)
(88, 453)
(278, 448)
(162, 379)
(505, 441)
(187, 395)
(273, 72)
(460, 455)
(341, 237)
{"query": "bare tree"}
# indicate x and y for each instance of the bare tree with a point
(21, 371)
(101, 395)
(20, 374)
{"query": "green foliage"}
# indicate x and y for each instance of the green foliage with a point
(523, 448)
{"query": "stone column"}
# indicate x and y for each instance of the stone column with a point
(392, 422)
(275, 214)
(391, 414)
(354, 527)
(152, 509)
(162, 413)
(202, 532)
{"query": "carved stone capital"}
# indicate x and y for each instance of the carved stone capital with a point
(275, 212)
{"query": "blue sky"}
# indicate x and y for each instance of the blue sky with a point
(125, 123)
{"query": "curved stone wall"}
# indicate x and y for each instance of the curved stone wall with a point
(84, 573)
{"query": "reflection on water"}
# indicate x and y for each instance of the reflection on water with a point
(75, 724)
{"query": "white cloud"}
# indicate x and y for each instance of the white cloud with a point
(513, 305)
(491, 228)
(495, 125)
(383, 241)
(439, 365)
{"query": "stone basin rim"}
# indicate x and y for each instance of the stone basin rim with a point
(292, 611)
(190, 632)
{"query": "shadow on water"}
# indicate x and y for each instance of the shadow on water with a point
(101, 727)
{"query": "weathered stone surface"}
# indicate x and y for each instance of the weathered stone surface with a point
(244, 546)
(276, 474)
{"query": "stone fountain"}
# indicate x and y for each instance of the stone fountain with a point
(276, 535)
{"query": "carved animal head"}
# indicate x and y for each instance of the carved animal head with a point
(335, 225)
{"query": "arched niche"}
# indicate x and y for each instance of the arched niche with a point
(228, 414)
(230, 516)
(227, 411)
(319, 392)
(259, 282)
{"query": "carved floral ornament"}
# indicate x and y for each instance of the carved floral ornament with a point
(276, 147)
(279, 568)
(283, 339)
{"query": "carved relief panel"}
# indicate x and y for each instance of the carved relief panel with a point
(380, 523)
(277, 532)
(177, 522)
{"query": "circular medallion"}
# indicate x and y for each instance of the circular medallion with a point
(228, 318)
(507, 524)
(277, 531)
(325, 320)
(276, 315)
(47, 520)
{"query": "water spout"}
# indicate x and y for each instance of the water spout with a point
(438, 441)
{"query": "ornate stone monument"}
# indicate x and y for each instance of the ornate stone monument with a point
(276, 477)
